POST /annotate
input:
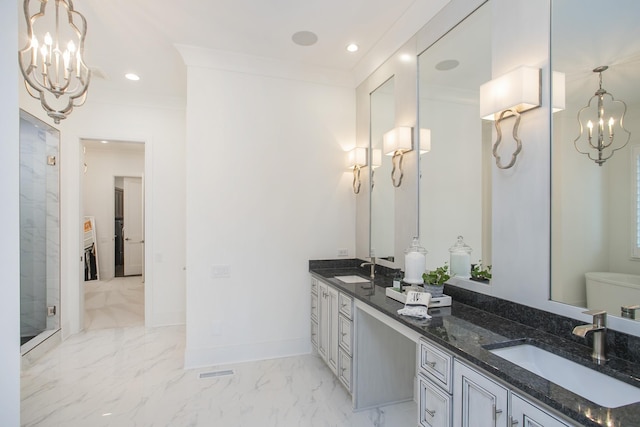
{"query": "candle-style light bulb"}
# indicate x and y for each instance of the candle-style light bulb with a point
(590, 126)
(611, 121)
(34, 51)
(66, 56)
(48, 40)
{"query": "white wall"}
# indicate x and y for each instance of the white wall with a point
(9, 215)
(160, 123)
(103, 165)
(267, 190)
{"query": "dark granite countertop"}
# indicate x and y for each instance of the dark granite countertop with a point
(467, 332)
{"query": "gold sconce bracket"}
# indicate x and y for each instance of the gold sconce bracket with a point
(496, 145)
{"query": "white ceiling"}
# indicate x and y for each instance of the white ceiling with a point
(140, 35)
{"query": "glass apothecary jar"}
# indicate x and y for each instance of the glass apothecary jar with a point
(460, 259)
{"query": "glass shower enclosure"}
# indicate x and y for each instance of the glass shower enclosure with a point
(39, 231)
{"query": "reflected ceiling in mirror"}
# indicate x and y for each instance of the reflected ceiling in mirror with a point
(595, 251)
(455, 183)
(382, 223)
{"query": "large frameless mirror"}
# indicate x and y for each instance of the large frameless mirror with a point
(595, 245)
(382, 191)
(455, 164)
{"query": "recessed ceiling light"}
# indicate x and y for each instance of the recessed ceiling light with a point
(304, 38)
(447, 64)
(352, 47)
(405, 57)
(132, 76)
(104, 142)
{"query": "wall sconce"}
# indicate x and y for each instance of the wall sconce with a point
(357, 159)
(588, 116)
(510, 95)
(52, 63)
(558, 91)
(395, 143)
(376, 162)
(425, 140)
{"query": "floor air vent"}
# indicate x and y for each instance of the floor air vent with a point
(216, 374)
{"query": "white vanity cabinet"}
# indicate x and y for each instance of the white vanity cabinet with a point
(526, 414)
(332, 314)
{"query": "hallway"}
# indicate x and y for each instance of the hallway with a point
(114, 303)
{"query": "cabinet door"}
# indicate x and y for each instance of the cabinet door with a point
(333, 319)
(434, 405)
(478, 400)
(525, 414)
(323, 315)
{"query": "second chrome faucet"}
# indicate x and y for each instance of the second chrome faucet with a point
(599, 329)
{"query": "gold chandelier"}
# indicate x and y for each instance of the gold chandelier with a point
(52, 60)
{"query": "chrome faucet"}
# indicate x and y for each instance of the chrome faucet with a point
(599, 329)
(372, 272)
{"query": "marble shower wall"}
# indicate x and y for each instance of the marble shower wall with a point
(39, 227)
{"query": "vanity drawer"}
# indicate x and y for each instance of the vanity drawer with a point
(345, 329)
(344, 368)
(314, 333)
(345, 304)
(314, 286)
(434, 405)
(436, 364)
(314, 307)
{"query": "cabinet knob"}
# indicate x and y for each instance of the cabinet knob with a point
(514, 422)
(431, 364)
(430, 413)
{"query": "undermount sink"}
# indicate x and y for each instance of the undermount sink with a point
(592, 385)
(352, 279)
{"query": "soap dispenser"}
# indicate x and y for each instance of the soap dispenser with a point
(415, 263)
(460, 259)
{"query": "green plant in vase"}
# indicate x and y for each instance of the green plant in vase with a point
(435, 279)
(480, 273)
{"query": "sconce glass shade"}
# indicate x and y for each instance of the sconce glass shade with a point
(357, 157)
(398, 139)
(517, 90)
(602, 130)
(376, 158)
(425, 140)
(558, 88)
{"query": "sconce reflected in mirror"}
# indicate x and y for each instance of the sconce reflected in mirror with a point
(376, 162)
(395, 143)
(606, 106)
(510, 95)
(425, 140)
(357, 159)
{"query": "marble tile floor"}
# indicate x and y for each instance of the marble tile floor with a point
(118, 302)
(134, 377)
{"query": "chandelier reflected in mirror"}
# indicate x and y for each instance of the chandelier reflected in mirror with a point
(602, 131)
(52, 60)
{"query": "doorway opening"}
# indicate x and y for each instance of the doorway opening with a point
(113, 197)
